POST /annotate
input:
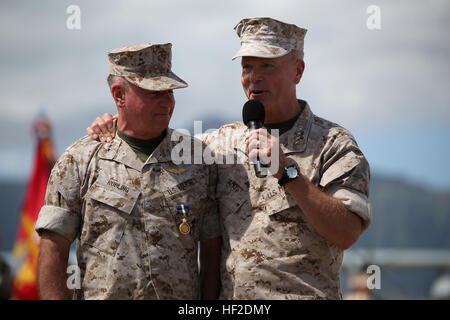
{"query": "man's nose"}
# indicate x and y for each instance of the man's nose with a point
(167, 97)
(255, 75)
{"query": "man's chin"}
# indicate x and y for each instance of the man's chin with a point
(158, 122)
(260, 97)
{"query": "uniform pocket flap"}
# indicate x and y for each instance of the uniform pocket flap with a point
(115, 194)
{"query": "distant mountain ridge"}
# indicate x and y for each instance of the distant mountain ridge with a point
(404, 215)
(407, 216)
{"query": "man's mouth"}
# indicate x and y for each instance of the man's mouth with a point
(257, 92)
(162, 114)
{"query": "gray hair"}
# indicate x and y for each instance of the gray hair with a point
(111, 79)
(298, 54)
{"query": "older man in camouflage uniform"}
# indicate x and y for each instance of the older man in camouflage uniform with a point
(137, 218)
(284, 235)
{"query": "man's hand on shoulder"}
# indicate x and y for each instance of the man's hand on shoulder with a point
(102, 128)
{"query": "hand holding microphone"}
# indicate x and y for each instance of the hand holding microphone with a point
(253, 115)
(263, 148)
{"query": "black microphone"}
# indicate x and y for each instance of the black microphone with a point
(253, 115)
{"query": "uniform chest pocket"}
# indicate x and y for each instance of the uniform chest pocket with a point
(106, 212)
(268, 196)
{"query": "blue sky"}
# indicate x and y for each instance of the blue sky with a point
(389, 87)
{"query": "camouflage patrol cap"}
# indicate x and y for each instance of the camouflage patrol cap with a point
(268, 38)
(147, 65)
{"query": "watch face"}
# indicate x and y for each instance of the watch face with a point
(291, 172)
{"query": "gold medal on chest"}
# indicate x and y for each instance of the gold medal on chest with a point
(184, 227)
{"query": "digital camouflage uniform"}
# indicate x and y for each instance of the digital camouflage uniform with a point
(124, 216)
(270, 250)
(123, 212)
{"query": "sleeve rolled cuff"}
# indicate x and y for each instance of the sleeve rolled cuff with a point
(58, 220)
(355, 201)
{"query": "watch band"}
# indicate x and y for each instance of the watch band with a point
(283, 180)
(285, 177)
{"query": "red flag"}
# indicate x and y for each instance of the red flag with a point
(27, 242)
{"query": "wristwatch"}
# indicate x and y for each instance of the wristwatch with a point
(290, 173)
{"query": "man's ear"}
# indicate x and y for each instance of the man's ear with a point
(300, 67)
(118, 94)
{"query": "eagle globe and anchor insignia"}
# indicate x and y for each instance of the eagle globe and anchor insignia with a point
(184, 227)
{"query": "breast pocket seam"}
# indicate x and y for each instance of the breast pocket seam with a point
(120, 220)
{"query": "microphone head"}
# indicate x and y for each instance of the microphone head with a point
(253, 110)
